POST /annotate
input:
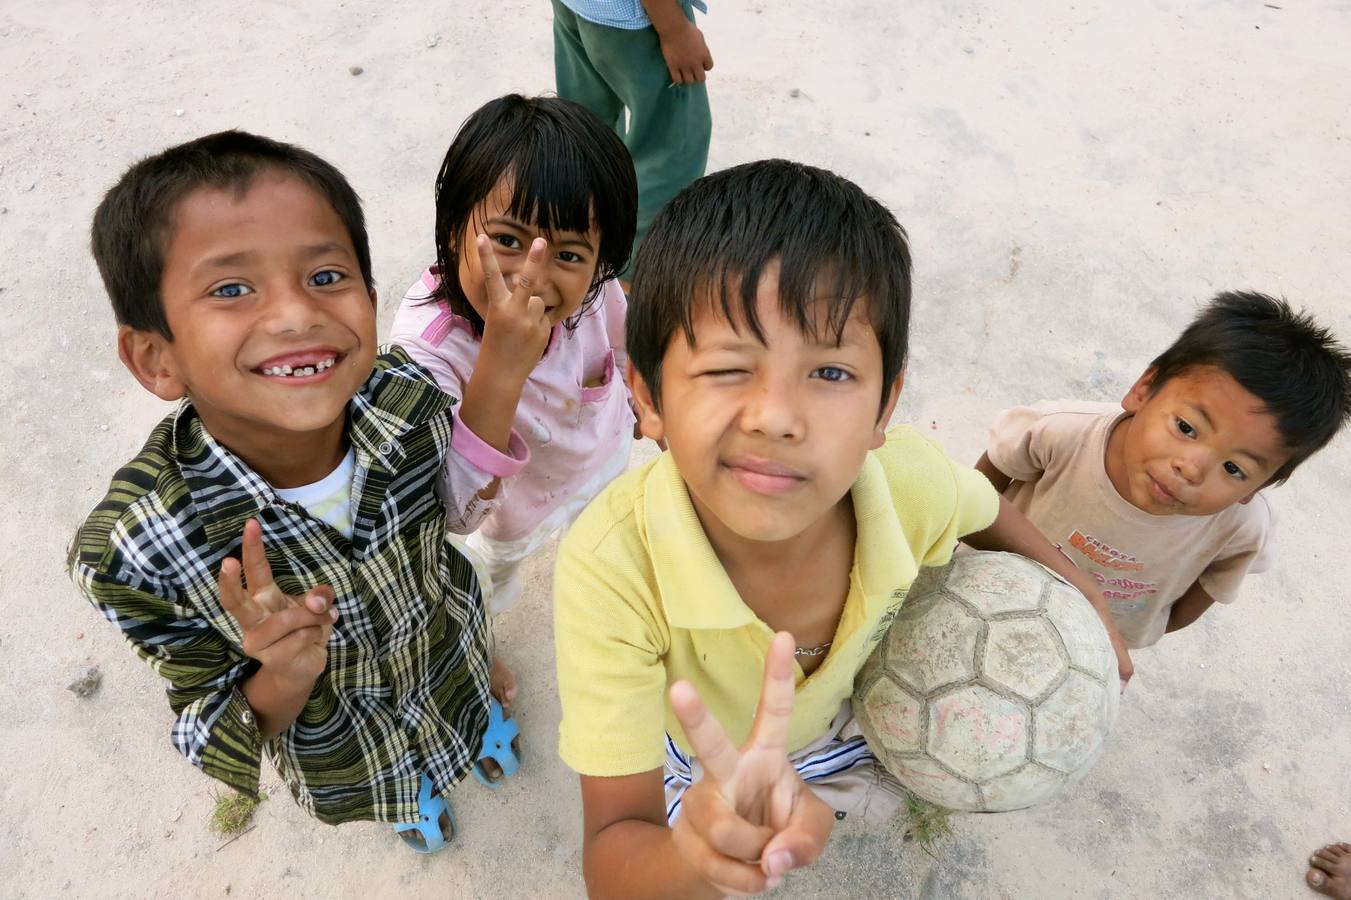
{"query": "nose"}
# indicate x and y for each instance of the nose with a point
(1190, 466)
(774, 409)
(292, 310)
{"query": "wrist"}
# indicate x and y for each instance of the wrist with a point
(667, 17)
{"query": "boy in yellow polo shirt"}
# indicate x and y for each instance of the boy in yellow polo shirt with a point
(767, 336)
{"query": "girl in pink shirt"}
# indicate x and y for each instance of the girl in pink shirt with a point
(522, 320)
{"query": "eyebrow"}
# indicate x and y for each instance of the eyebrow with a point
(243, 257)
(1201, 411)
(578, 241)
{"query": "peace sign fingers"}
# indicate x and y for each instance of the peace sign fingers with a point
(709, 742)
(775, 711)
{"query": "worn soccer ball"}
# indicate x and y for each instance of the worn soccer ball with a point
(994, 688)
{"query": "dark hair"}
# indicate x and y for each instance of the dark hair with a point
(133, 224)
(1287, 360)
(567, 169)
(827, 235)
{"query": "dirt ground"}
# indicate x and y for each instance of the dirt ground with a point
(1075, 179)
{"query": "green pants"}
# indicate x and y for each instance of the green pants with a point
(609, 70)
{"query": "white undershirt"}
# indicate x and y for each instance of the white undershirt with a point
(330, 498)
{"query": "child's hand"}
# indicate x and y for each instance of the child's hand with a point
(750, 819)
(686, 52)
(287, 634)
(516, 323)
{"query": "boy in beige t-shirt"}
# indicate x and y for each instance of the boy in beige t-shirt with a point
(1158, 499)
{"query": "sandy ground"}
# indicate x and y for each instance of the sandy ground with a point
(1074, 178)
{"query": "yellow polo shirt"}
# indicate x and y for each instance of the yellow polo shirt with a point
(641, 601)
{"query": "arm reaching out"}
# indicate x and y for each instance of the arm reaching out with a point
(748, 822)
(1012, 532)
(288, 635)
(997, 478)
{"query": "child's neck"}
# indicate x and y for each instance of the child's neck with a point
(289, 461)
(790, 583)
(1114, 457)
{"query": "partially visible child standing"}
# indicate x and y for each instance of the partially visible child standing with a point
(1158, 497)
(640, 67)
(533, 192)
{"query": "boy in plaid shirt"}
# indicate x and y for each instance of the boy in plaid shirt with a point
(297, 457)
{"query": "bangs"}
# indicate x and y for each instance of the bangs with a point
(554, 193)
(711, 246)
(830, 246)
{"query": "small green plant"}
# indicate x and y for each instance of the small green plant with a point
(926, 823)
(233, 812)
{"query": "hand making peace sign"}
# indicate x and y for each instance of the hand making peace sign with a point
(287, 634)
(516, 323)
(751, 818)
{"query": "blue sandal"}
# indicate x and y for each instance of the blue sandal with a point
(502, 744)
(430, 833)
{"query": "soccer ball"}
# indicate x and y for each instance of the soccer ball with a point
(994, 688)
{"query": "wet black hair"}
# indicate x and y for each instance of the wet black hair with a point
(133, 225)
(1285, 358)
(715, 239)
(567, 169)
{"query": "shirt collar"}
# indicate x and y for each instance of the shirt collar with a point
(695, 589)
(397, 397)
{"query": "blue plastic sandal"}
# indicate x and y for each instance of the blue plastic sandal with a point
(428, 834)
(501, 743)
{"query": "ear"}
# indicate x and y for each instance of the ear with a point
(884, 418)
(649, 419)
(149, 356)
(1139, 392)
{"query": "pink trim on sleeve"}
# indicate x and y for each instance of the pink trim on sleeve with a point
(485, 456)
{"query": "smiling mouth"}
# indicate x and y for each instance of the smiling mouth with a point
(1161, 493)
(307, 369)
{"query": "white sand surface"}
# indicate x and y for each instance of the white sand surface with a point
(1075, 179)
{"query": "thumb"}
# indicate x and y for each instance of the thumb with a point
(802, 840)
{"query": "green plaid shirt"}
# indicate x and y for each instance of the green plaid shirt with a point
(406, 688)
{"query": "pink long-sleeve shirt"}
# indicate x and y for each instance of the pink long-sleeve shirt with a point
(574, 410)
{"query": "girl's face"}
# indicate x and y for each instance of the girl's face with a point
(568, 270)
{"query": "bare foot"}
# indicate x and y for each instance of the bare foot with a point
(1330, 871)
(502, 684)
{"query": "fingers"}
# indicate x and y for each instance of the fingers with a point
(770, 731)
(233, 597)
(321, 599)
(281, 626)
(705, 811)
(705, 734)
(528, 277)
(494, 286)
(801, 841)
(728, 874)
(257, 573)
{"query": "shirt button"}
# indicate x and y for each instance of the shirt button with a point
(386, 448)
(246, 717)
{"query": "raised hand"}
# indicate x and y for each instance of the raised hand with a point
(516, 323)
(287, 634)
(750, 819)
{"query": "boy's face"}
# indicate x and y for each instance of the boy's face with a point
(256, 287)
(1198, 444)
(768, 437)
(565, 277)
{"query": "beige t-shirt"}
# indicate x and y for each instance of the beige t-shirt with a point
(1055, 451)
